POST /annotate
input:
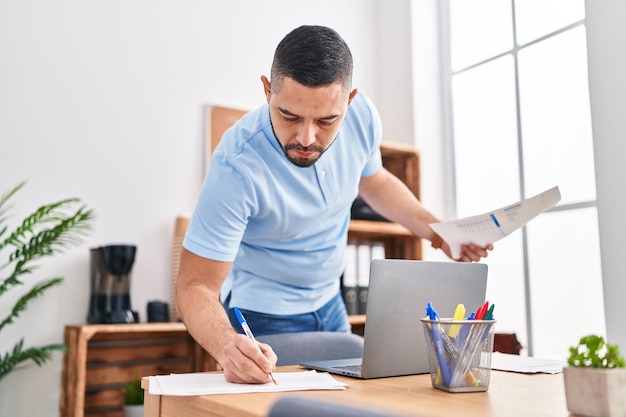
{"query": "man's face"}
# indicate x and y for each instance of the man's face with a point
(306, 120)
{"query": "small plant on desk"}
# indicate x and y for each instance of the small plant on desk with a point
(592, 351)
(133, 393)
(133, 398)
(595, 378)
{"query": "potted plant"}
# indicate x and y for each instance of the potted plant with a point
(45, 232)
(133, 398)
(595, 380)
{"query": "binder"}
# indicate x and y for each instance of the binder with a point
(364, 256)
(378, 251)
(349, 281)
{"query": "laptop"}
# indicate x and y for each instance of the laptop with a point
(399, 291)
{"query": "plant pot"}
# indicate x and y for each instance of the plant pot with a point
(595, 392)
(133, 410)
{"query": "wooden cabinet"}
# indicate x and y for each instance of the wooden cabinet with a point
(102, 357)
(403, 162)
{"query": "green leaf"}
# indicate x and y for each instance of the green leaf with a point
(22, 302)
(39, 355)
(592, 351)
(47, 231)
(133, 393)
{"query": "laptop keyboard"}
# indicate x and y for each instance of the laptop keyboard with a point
(349, 368)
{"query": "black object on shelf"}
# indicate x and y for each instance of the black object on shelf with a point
(362, 211)
(158, 312)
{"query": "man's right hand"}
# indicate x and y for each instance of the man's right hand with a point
(198, 297)
(246, 361)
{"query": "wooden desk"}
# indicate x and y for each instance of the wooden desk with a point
(510, 394)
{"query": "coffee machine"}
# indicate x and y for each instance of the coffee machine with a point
(110, 285)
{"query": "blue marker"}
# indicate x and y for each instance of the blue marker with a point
(438, 344)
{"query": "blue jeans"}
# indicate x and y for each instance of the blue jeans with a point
(332, 317)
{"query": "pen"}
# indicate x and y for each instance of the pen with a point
(489, 314)
(438, 345)
(482, 310)
(460, 339)
(248, 332)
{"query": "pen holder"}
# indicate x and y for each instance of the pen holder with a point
(459, 353)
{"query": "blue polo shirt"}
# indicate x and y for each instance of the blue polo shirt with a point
(283, 227)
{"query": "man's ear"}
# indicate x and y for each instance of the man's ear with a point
(352, 95)
(267, 87)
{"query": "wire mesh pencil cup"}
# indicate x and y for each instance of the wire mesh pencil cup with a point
(459, 353)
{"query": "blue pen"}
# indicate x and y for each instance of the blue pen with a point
(248, 332)
(464, 331)
(438, 344)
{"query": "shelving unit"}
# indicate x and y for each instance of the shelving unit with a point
(403, 162)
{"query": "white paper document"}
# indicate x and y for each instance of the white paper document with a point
(525, 364)
(492, 226)
(211, 383)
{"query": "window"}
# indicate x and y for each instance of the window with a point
(520, 124)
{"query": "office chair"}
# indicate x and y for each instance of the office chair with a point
(309, 407)
(506, 343)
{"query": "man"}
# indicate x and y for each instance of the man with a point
(269, 232)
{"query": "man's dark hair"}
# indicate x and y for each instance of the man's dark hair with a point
(313, 56)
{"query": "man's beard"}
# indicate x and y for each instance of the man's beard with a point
(299, 162)
(303, 162)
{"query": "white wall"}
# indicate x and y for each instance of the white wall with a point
(606, 42)
(104, 101)
(395, 75)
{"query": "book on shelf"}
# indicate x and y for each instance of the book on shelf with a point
(355, 280)
(349, 281)
(364, 257)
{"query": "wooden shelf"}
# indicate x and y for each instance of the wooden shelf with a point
(357, 321)
(373, 229)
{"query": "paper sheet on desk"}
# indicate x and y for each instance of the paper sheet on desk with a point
(209, 383)
(492, 226)
(525, 364)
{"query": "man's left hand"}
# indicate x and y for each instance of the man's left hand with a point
(469, 253)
